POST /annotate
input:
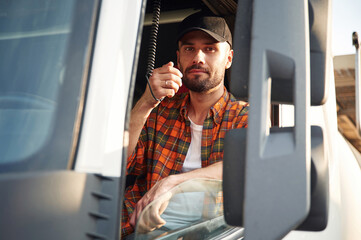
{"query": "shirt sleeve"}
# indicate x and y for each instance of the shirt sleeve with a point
(135, 161)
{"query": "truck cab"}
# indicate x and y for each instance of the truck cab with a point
(71, 71)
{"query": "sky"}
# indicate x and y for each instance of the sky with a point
(346, 20)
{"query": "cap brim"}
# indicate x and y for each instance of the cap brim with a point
(215, 36)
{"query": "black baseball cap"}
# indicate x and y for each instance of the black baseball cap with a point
(214, 26)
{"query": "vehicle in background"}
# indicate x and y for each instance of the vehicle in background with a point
(71, 70)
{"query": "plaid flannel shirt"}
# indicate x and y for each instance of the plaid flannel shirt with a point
(165, 138)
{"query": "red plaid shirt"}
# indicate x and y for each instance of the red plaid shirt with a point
(165, 138)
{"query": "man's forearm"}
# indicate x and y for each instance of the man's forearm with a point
(214, 171)
(138, 117)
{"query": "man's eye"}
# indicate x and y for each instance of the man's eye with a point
(209, 49)
(188, 48)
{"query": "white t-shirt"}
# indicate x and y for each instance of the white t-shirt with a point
(193, 157)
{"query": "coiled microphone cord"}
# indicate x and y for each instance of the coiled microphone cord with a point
(153, 45)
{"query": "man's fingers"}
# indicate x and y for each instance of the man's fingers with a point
(165, 88)
(170, 64)
(144, 226)
(165, 81)
(154, 219)
(169, 84)
(163, 207)
(136, 213)
(171, 77)
(157, 221)
(157, 209)
(150, 219)
(169, 68)
(140, 206)
(166, 76)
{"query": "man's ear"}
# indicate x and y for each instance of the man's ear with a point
(229, 59)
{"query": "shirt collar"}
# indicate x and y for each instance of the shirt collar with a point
(217, 109)
(215, 112)
(184, 105)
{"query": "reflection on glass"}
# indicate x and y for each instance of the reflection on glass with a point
(191, 210)
(33, 39)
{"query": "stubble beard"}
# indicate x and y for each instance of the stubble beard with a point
(200, 83)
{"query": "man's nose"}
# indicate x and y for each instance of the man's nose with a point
(199, 57)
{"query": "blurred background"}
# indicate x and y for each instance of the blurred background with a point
(346, 20)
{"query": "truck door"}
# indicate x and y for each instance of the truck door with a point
(57, 60)
(267, 171)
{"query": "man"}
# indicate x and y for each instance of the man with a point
(181, 137)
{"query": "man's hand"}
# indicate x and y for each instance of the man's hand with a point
(161, 187)
(213, 171)
(151, 219)
(165, 82)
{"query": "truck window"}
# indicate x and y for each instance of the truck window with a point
(36, 37)
(194, 211)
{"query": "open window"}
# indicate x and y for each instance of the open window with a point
(184, 204)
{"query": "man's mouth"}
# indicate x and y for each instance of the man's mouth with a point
(196, 70)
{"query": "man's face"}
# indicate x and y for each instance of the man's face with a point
(203, 61)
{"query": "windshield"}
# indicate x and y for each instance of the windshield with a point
(194, 210)
(35, 41)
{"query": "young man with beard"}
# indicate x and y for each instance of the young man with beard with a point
(181, 137)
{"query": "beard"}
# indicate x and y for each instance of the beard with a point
(201, 83)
